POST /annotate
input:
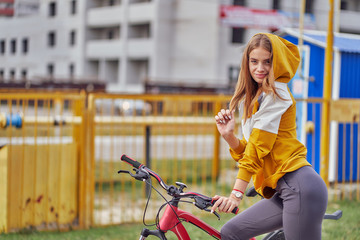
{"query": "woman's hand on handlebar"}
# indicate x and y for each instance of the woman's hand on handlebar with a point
(225, 204)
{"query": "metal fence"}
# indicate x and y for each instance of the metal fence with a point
(345, 149)
(61, 154)
(173, 135)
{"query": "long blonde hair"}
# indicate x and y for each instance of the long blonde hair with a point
(247, 89)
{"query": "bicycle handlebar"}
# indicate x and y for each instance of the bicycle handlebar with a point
(139, 165)
(172, 190)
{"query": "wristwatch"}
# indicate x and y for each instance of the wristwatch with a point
(237, 194)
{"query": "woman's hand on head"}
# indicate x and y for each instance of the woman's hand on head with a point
(225, 122)
(225, 204)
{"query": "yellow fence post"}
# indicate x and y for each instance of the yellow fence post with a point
(216, 160)
(88, 166)
(3, 189)
(79, 110)
(325, 117)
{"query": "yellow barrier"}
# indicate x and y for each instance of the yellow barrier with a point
(41, 161)
(42, 185)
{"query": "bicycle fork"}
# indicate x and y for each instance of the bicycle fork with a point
(146, 232)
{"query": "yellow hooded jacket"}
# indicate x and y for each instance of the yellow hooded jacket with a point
(269, 147)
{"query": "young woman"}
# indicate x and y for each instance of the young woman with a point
(268, 151)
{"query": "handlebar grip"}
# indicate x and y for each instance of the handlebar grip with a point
(235, 210)
(130, 161)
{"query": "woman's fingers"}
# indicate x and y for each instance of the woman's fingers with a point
(230, 206)
(216, 197)
(223, 116)
(223, 204)
(226, 205)
(217, 119)
(219, 200)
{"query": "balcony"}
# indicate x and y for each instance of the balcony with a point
(349, 21)
(110, 49)
(140, 48)
(114, 49)
(105, 16)
(142, 12)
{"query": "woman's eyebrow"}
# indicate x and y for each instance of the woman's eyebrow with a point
(268, 59)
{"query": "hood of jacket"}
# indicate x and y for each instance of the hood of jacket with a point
(286, 58)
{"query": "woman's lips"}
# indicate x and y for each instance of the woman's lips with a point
(260, 75)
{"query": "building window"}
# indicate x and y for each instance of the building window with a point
(72, 38)
(1, 75)
(139, 1)
(71, 70)
(240, 2)
(343, 5)
(233, 75)
(2, 46)
(12, 75)
(110, 34)
(238, 35)
(52, 9)
(25, 45)
(309, 6)
(276, 5)
(24, 74)
(50, 70)
(51, 39)
(13, 46)
(140, 30)
(73, 7)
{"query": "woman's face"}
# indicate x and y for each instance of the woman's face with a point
(259, 64)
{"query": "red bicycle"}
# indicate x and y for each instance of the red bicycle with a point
(173, 216)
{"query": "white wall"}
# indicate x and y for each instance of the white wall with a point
(195, 41)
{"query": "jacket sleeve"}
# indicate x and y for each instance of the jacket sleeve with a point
(264, 133)
(238, 152)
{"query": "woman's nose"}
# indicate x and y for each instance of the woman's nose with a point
(261, 67)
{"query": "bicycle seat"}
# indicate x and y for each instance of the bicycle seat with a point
(251, 192)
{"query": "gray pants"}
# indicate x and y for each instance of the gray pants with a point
(298, 207)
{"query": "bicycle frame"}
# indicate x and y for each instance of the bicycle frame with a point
(170, 221)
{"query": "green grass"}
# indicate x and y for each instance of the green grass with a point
(348, 227)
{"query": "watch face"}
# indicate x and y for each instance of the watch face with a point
(237, 194)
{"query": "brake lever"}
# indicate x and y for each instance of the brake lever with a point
(140, 175)
(203, 204)
(216, 214)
